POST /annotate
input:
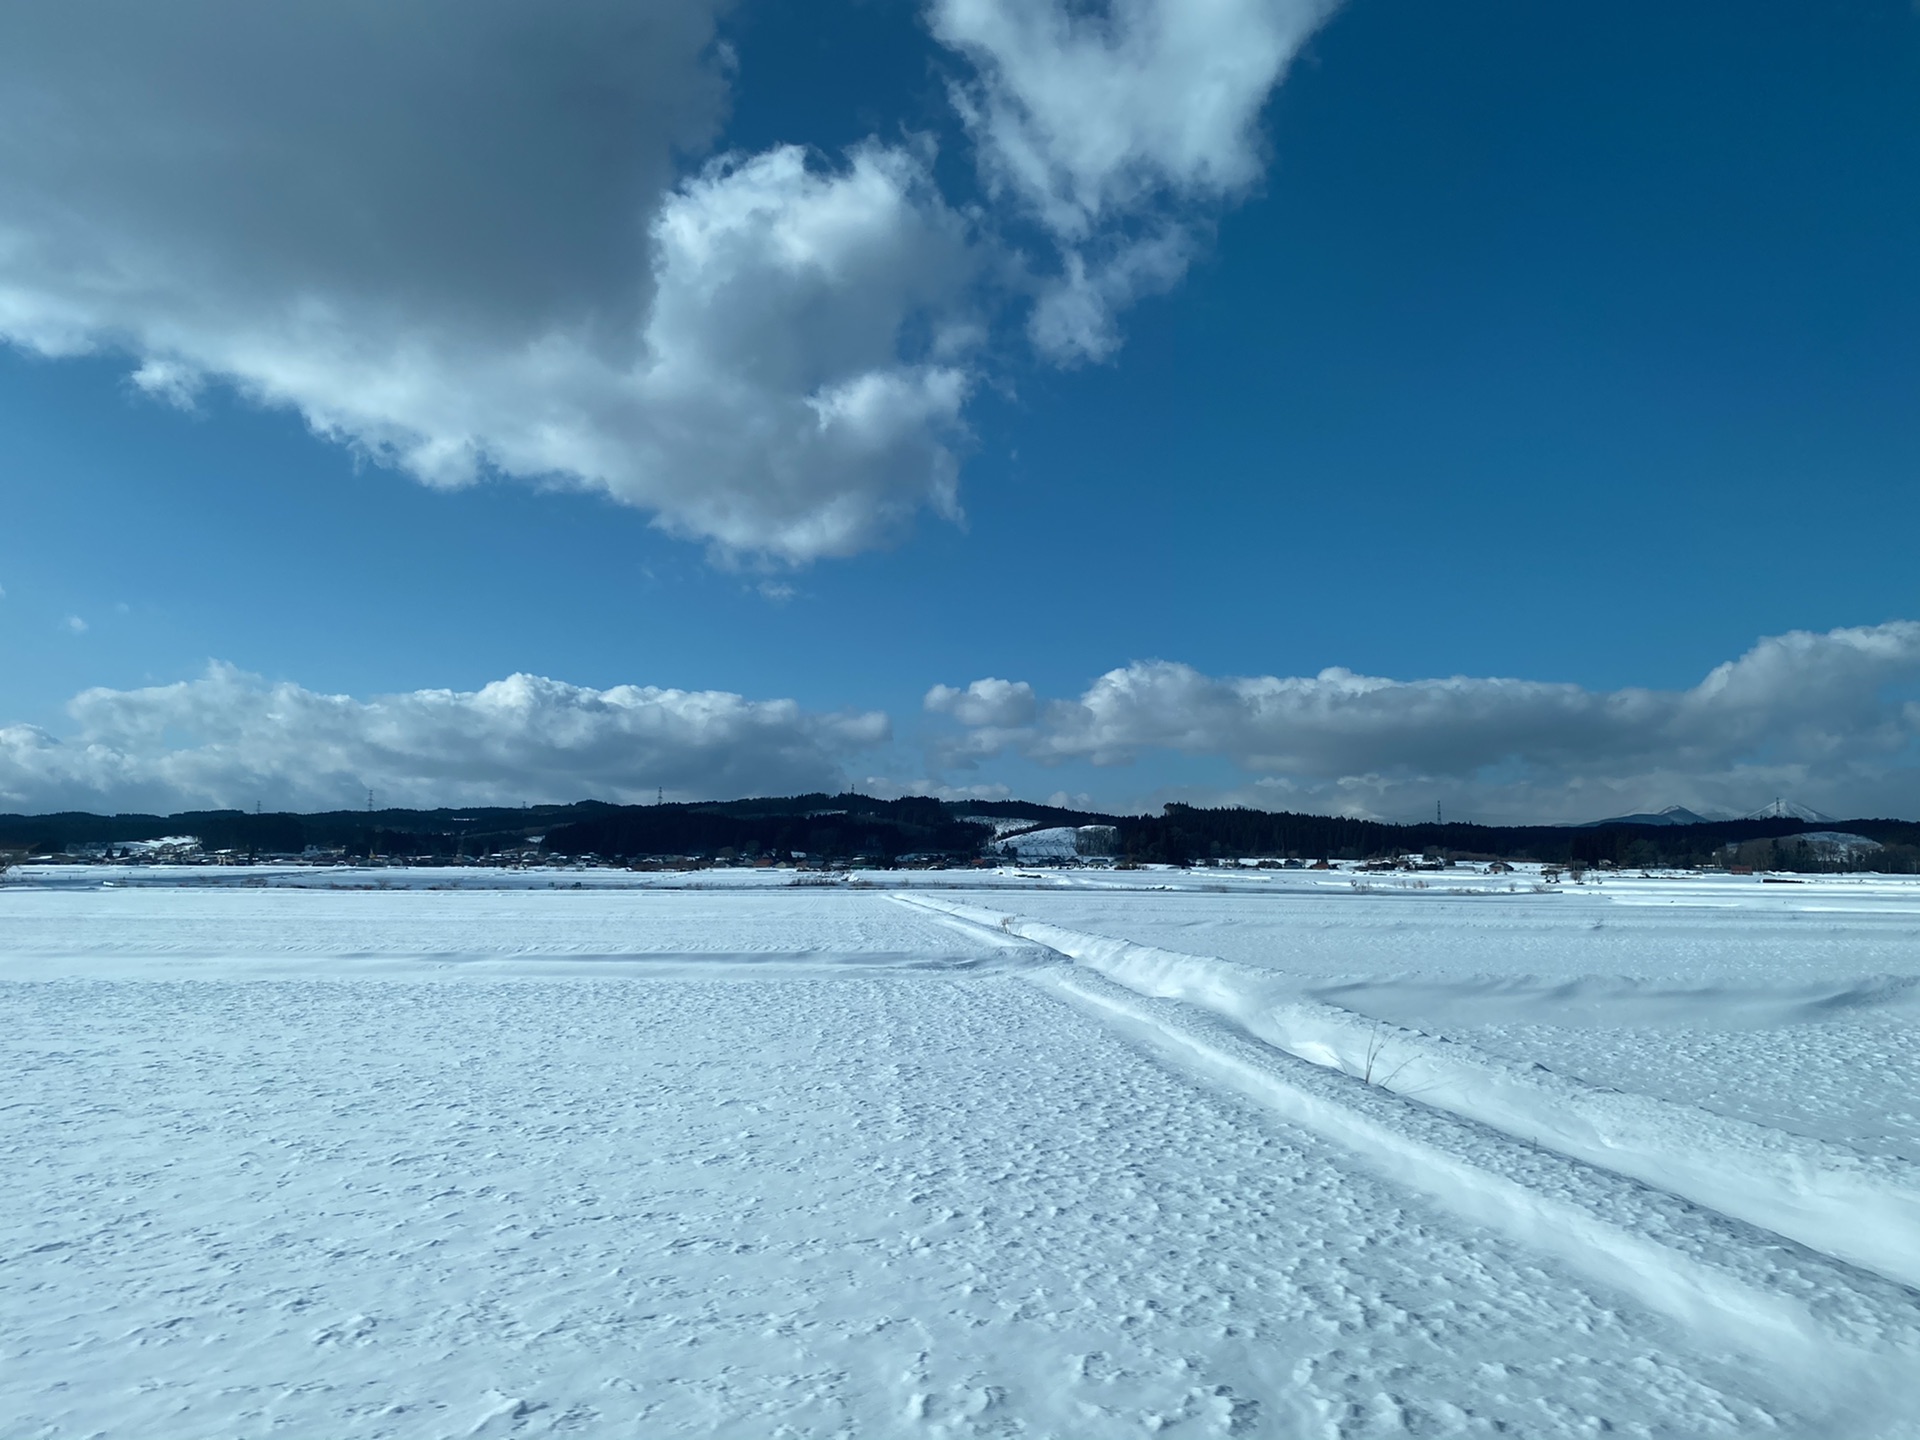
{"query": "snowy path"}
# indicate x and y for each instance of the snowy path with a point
(793, 1164)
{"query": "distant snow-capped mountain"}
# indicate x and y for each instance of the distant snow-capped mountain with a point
(1778, 809)
(1672, 815)
(1788, 810)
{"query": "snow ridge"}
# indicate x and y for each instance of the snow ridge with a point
(1863, 1211)
(1798, 1312)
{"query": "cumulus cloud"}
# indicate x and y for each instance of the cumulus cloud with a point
(773, 377)
(885, 787)
(1116, 128)
(994, 713)
(230, 739)
(477, 237)
(1820, 716)
(453, 234)
(985, 702)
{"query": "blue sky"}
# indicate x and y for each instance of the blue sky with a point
(1529, 361)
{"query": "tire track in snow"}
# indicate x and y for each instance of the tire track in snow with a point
(1862, 1210)
(1798, 1309)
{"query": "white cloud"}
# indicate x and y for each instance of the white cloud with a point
(1828, 719)
(450, 234)
(461, 236)
(985, 702)
(884, 787)
(1820, 717)
(229, 739)
(994, 713)
(74, 625)
(774, 345)
(1116, 127)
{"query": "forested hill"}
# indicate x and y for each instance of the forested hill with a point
(470, 830)
(812, 825)
(816, 824)
(838, 826)
(1183, 834)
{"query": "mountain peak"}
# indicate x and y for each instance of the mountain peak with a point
(1780, 809)
(1672, 815)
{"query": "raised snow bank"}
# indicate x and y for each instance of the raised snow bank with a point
(1863, 1211)
(1845, 1340)
(1605, 1002)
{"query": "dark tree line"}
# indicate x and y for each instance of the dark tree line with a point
(835, 827)
(1183, 834)
(830, 826)
(443, 832)
(841, 826)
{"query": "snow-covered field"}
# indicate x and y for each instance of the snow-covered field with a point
(1081, 1154)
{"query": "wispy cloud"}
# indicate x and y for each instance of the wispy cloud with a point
(1121, 130)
